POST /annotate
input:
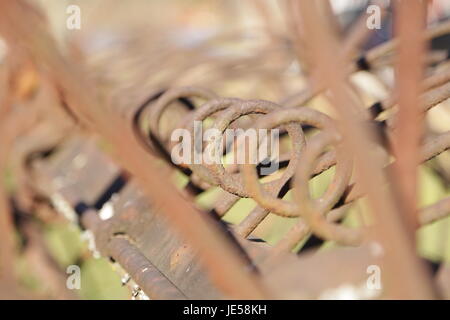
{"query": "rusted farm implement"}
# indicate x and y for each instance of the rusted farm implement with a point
(53, 116)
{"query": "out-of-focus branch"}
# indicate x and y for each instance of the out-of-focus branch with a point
(410, 63)
(19, 83)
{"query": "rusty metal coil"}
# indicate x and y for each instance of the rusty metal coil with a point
(308, 155)
(305, 159)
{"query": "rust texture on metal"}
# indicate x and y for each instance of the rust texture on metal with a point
(174, 250)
